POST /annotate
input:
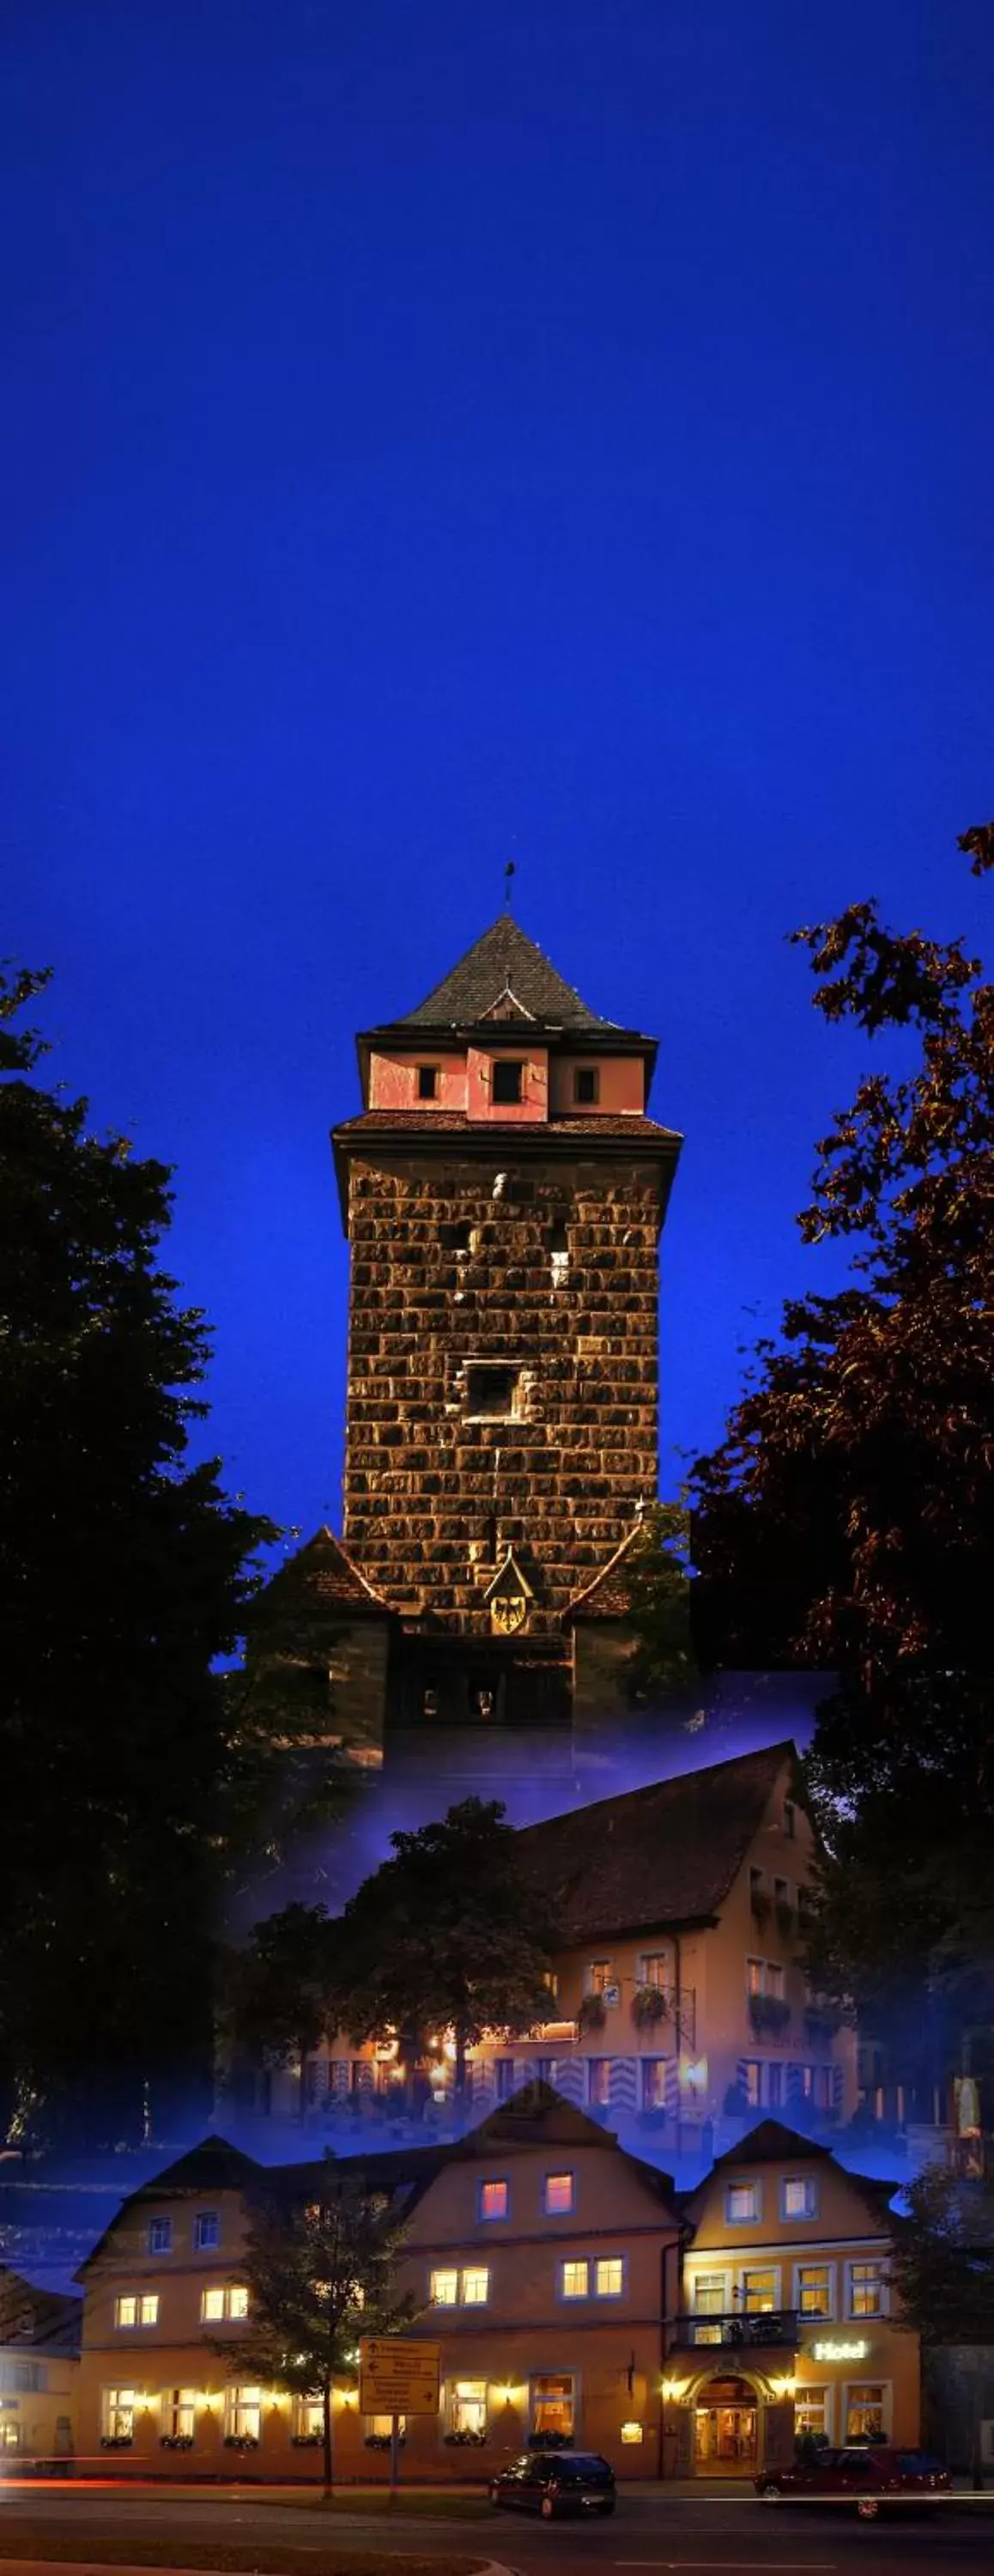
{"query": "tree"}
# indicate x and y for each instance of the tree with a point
(446, 1936)
(318, 2277)
(942, 2269)
(847, 1519)
(125, 1572)
(274, 1992)
(658, 1591)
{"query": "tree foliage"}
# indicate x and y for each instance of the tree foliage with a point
(274, 1992)
(847, 1519)
(942, 2265)
(445, 1936)
(319, 2276)
(125, 1572)
(657, 1589)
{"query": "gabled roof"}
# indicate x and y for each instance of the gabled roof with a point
(771, 2142)
(214, 2165)
(329, 1576)
(666, 1854)
(503, 967)
(605, 1595)
(39, 2320)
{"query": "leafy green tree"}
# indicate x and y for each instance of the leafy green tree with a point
(274, 1992)
(125, 1572)
(942, 2269)
(448, 1935)
(847, 1520)
(319, 2276)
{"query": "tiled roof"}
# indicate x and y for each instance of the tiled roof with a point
(41, 2319)
(666, 1854)
(606, 1594)
(772, 2142)
(329, 1576)
(503, 962)
(428, 1122)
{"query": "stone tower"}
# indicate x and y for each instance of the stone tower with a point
(503, 1193)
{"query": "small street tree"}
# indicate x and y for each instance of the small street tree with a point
(942, 2269)
(446, 1936)
(319, 2276)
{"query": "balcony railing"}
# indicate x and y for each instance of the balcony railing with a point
(746, 2331)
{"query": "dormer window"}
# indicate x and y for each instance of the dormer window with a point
(507, 1082)
(427, 1082)
(586, 1086)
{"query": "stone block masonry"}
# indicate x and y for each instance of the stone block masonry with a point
(502, 1380)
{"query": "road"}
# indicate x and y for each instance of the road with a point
(648, 2536)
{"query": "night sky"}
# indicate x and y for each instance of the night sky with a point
(440, 431)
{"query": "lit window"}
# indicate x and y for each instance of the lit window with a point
(117, 2414)
(814, 2290)
(136, 2309)
(179, 2414)
(206, 2230)
(655, 1968)
(759, 2293)
(599, 2081)
(443, 2289)
(709, 2294)
(865, 2413)
(752, 2077)
(866, 2289)
(586, 1084)
(754, 1976)
(800, 2196)
(381, 2426)
(507, 1082)
(811, 2412)
(493, 2200)
(476, 2287)
(576, 2280)
(160, 2235)
(468, 2406)
(243, 2414)
(308, 2419)
(654, 2083)
(741, 2203)
(223, 2304)
(599, 1976)
(609, 2276)
(558, 2194)
(774, 1977)
(427, 1082)
(552, 2406)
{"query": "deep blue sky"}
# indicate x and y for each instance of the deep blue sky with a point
(435, 430)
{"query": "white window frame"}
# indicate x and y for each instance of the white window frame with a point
(456, 2396)
(574, 2263)
(818, 2388)
(622, 2288)
(476, 2272)
(534, 2376)
(815, 2263)
(567, 2209)
(740, 2284)
(206, 2218)
(243, 2397)
(752, 2218)
(166, 2226)
(443, 2272)
(118, 2401)
(870, 2380)
(810, 2182)
(866, 2316)
(174, 2404)
(308, 2418)
(493, 2217)
(714, 2274)
(228, 2292)
(139, 2300)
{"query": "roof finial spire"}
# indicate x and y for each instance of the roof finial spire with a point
(508, 874)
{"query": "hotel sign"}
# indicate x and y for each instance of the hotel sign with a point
(855, 2351)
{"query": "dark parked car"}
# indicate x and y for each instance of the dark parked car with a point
(555, 2482)
(872, 2478)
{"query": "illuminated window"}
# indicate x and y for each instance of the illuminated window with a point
(609, 2276)
(654, 2083)
(160, 2235)
(654, 1968)
(381, 2426)
(814, 2289)
(507, 1079)
(752, 2078)
(117, 2414)
(493, 2200)
(558, 2194)
(553, 2407)
(742, 2203)
(476, 2287)
(137, 2309)
(800, 2197)
(178, 2419)
(206, 2230)
(599, 1976)
(308, 2419)
(599, 2081)
(866, 2289)
(760, 2293)
(468, 2406)
(754, 1976)
(774, 1977)
(427, 1082)
(443, 2289)
(811, 2412)
(575, 2280)
(226, 2304)
(243, 2415)
(865, 2412)
(710, 2294)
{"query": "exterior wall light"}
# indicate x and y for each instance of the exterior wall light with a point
(674, 2389)
(631, 2432)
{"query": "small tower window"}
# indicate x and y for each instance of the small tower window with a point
(559, 1255)
(586, 1085)
(507, 1083)
(492, 1394)
(427, 1082)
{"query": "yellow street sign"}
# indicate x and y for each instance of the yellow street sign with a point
(398, 2375)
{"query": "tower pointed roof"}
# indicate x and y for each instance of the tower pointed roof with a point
(503, 976)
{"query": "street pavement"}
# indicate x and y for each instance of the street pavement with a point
(651, 2534)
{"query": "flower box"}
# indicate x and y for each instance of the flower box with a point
(649, 2005)
(592, 2013)
(769, 2012)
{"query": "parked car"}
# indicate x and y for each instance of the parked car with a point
(556, 2482)
(872, 2477)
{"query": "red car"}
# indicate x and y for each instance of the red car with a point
(871, 2479)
